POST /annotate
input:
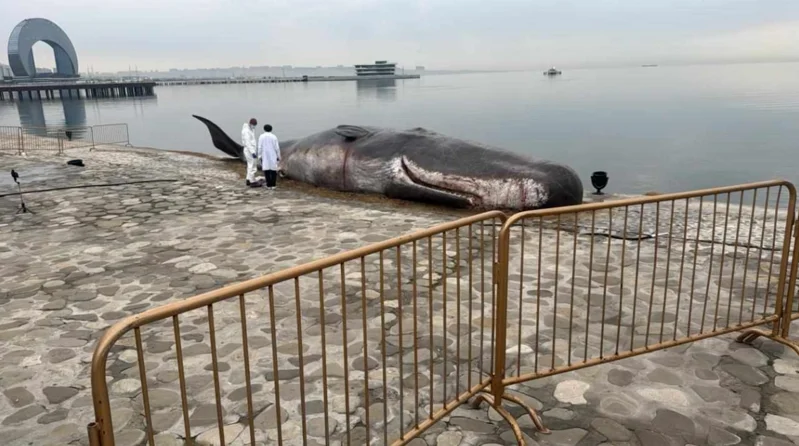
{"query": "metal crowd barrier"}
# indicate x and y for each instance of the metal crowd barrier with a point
(48, 139)
(377, 344)
(21, 140)
(11, 139)
(111, 134)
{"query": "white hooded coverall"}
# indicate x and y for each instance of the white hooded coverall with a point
(250, 150)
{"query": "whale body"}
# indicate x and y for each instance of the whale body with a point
(421, 165)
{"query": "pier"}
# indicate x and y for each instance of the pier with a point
(219, 81)
(52, 90)
(270, 80)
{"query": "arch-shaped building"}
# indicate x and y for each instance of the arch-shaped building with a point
(30, 31)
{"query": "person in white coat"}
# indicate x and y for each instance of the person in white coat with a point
(269, 152)
(250, 150)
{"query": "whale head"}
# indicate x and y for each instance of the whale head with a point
(422, 165)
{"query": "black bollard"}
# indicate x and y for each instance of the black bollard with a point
(599, 180)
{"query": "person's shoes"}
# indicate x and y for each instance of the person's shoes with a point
(248, 183)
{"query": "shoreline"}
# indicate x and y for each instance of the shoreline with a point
(239, 168)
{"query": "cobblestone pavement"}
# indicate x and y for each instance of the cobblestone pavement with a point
(91, 256)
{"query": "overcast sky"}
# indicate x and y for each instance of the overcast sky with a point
(440, 34)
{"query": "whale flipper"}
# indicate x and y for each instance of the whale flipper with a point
(222, 141)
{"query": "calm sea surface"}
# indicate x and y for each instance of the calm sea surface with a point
(652, 129)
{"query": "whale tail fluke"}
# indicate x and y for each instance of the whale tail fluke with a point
(221, 140)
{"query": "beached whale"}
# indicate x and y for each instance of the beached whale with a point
(420, 165)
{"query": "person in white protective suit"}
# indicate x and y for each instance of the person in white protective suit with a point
(269, 152)
(250, 150)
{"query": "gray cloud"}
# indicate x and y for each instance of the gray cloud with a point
(513, 34)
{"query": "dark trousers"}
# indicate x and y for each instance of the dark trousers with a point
(271, 178)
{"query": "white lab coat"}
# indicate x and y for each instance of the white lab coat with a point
(269, 151)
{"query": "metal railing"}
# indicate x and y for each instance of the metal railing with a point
(377, 344)
(58, 139)
(607, 281)
(48, 139)
(11, 139)
(111, 134)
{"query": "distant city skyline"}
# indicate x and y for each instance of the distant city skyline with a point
(251, 72)
(437, 34)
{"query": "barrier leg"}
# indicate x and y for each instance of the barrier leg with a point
(530, 411)
(748, 336)
(514, 425)
(517, 431)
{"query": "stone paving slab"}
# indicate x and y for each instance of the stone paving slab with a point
(92, 256)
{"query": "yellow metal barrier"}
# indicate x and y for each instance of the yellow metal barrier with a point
(600, 282)
(375, 344)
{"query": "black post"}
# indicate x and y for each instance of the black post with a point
(22, 208)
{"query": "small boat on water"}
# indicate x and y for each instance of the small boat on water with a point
(552, 72)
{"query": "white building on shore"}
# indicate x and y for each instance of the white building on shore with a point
(5, 72)
(379, 68)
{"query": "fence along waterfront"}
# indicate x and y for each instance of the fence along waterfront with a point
(21, 140)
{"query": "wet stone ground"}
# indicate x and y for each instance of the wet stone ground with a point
(91, 256)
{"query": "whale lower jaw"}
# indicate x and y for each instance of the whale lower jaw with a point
(493, 193)
(437, 182)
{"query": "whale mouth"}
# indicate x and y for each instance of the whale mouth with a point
(422, 178)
